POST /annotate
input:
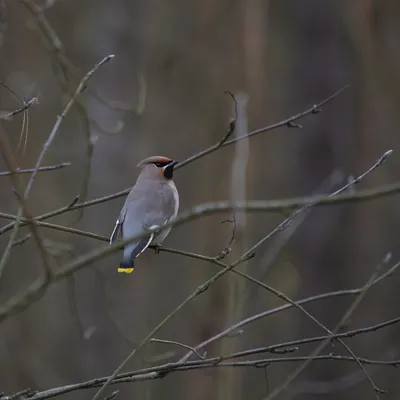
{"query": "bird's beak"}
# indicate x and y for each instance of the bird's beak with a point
(173, 163)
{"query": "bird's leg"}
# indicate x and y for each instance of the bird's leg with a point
(156, 248)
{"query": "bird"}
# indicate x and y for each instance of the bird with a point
(152, 202)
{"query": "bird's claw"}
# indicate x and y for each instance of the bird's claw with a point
(156, 248)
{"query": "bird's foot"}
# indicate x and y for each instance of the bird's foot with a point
(156, 248)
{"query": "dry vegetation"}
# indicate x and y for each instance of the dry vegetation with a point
(251, 297)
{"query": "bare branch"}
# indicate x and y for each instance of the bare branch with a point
(84, 260)
(44, 150)
(232, 123)
(228, 249)
(241, 324)
(11, 114)
(281, 227)
(11, 163)
(311, 110)
(196, 156)
(22, 240)
(67, 73)
(288, 220)
(66, 65)
(276, 347)
(221, 207)
(160, 371)
(29, 170)
(271, 254)
(23, 137)
(63, 114)
(68, 229)
(202, 288)
(185, 346)
(341, 323)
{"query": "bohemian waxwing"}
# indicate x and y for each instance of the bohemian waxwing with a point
(151, 203)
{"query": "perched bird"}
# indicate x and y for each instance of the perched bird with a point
(151, 203)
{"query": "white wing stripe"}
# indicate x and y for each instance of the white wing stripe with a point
(147, 245)
(114, 233)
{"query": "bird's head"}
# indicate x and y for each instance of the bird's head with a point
(157, 167)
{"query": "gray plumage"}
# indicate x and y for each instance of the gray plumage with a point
(151, 203)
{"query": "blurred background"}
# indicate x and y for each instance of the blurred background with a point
(164, 94)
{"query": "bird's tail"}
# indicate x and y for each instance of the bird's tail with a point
(131, 252)
(127, 265)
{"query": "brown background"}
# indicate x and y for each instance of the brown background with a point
(286, 55)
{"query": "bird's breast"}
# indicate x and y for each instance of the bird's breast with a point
(175, 194)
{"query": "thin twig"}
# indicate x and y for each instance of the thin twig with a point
(282, 226)
(286, 223)
(22, 240)
(61, 117)
(10, 160)
(241, 324)
(29, 170)
(185, 346)
(196, 156)
(41, 284)
(288, 220)
(196, 212)
(342, 322)
(232, 123)
(228, 249)
(113, 395)
(160, 371)
(11, 114)
(50, 139)
(66, 65)
(270, 206)
(276, 347)
(75, 231)
(202, 288)
(13, 304)
(25, 119)
(273, 251)
(312, 110)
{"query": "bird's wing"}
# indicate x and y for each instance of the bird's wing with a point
(162, 210)
(142, 245)
(131, 223)
(116, 231)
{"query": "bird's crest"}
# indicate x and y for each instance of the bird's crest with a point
(154, 159)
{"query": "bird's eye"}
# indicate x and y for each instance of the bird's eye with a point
(159, 165)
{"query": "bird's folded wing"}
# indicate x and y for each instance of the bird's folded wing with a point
(142, 245)
(116, 231)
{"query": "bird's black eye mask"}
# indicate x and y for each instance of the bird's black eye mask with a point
(161, 164)
(168, 167)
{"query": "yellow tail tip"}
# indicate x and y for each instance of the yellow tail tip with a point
(125, 270)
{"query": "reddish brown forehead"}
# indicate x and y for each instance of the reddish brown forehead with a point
(154, 159)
